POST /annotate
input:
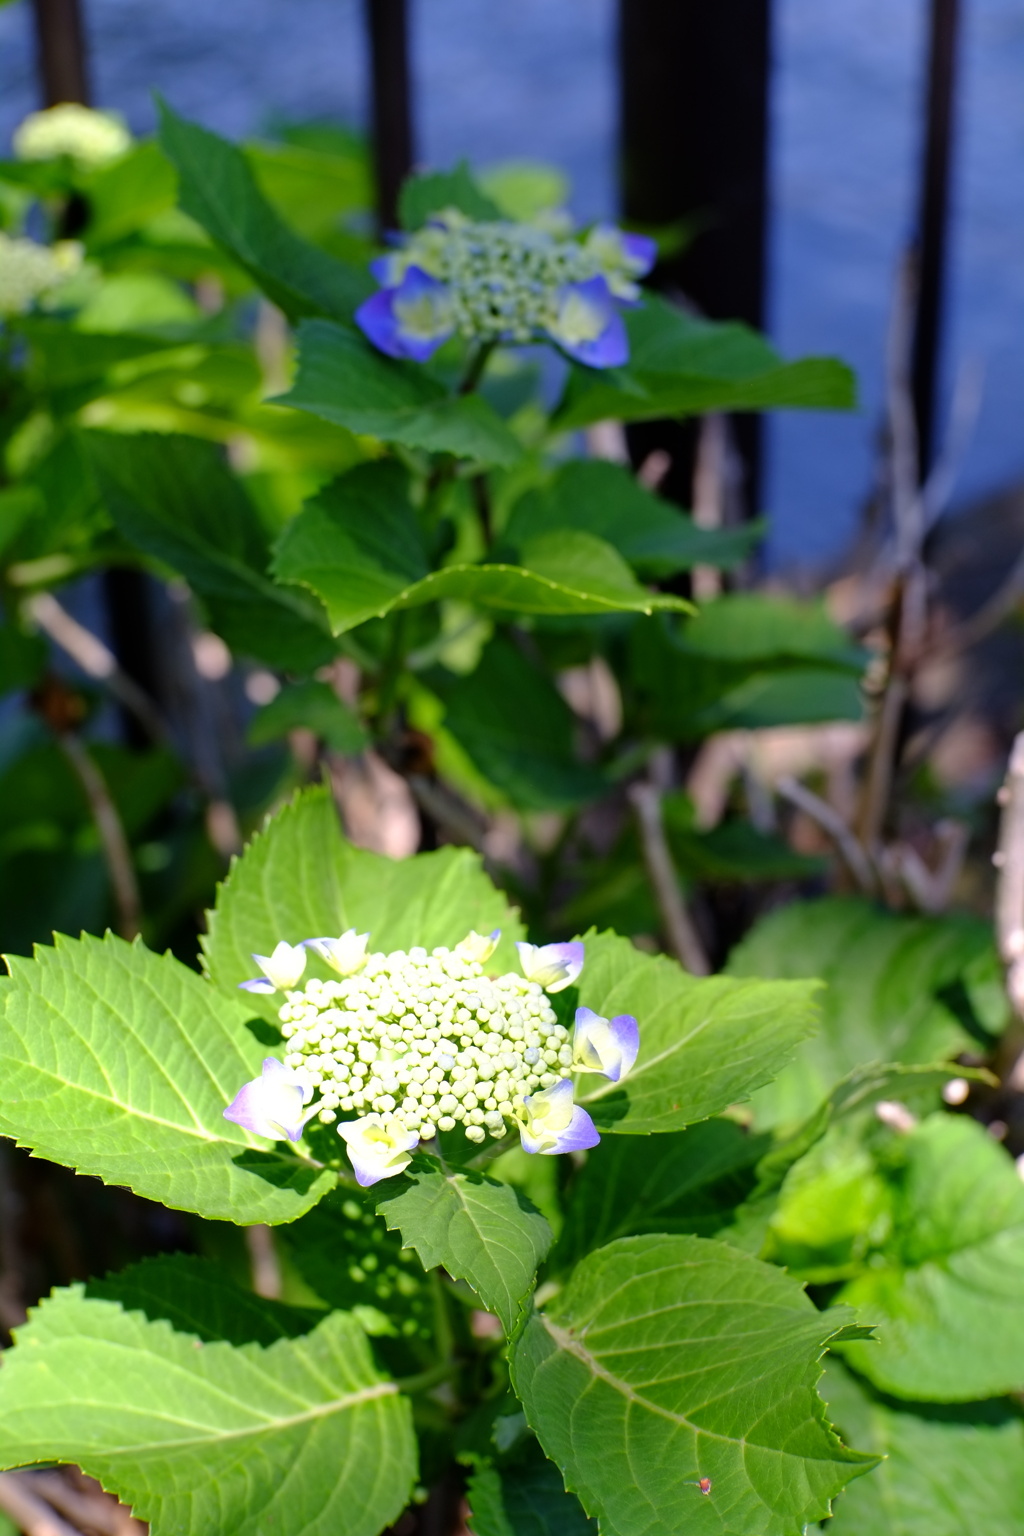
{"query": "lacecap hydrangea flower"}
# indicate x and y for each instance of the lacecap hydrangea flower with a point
(499, 281)
(90, 138)
(405, 1044)
(29, 271)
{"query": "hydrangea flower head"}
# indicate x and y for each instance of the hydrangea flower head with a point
(281, 970)
(273, 1104)
(609, 1046)
(29, 271)
(411, 1043)
(498, 281)
(90, 138)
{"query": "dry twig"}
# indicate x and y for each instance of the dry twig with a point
(31, 1514)
(683, 938)
(116, 850)
(832, 824)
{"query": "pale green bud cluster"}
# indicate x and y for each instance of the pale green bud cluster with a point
(90, 138)
(505, 279)
(29, 271)
(427, 1039)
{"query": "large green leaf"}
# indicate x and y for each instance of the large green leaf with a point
(120, 1063)
(175, 499)
(703, 1044)
(516, 728)
(422, 196)
(299, 878)
(598, 497)
(686, 1181)
(681, 366)
(311, 706)
(205, 1436)
(946, 1289)
(218, 189)
(199, 1296)
(478, 1229)
(345, 380)
(895, 990)
(948, 1471)
(669, 1359)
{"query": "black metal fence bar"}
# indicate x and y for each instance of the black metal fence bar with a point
(61, 51)
(387, 25)
(933, 217)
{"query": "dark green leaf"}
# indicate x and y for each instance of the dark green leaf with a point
(681, 366)
(344, 380)
(686, 1181)
(886, 1000)
(669, 1359)
(597, 497)
(218, 189)
(422, 196)
(314, 707)
(703, 1044)
(518, 731)
(175, 499)
(201, 1436)
(479, 1230)
(120, 1063)
(22, 659)
(525, 1496)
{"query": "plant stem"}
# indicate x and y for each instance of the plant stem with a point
(475, 368)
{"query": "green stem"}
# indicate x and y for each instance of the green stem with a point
(443, 1371)
(442, 1322)
(494, 1151)
(475, 369)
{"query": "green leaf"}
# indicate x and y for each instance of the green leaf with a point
(218, 190)
(22, 659)
(345, 380)
(127, 193)
(314, 707)
(299, 878)
(597, 497)
(945, 1290)
(358, 547)
(516, 728)
(196, 1295)
(703, 1044)
(199, 1437)
(686, 1181)
(947, 1470)
(668, 1359)
(344, 1252)
(894, 990)
(479, 1230)
(751, 628)
(176, 500)
(524, 1497)
(681, 366)
(120, 1063)
(422, 196)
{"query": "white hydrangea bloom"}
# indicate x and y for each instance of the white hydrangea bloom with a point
(91, 138)
(29, 271)
(426, 1040)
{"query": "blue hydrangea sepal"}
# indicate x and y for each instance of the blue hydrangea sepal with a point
(552, 966)
(273, 1104)
(550, 1122)
(411, 320)
(608, 1046)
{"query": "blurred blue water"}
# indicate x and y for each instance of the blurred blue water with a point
(537, 79)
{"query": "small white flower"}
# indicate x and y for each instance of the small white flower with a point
(379, 1147)
(272, 1104)
(90, 138)
(553, 966)
(281, 970)
(609, 1046)
(346, 954)
(475, 947)
(551, 1122)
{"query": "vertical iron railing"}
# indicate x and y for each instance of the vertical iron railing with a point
(61, 52)
(933, 219)
(387, 26)
(694, 147)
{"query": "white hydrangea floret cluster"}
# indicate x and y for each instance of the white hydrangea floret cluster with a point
(506, 281)
(411, 1043)
(89, 137)
(29, 271)
(426, 1037)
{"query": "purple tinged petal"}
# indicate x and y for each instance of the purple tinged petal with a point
(606, 1046)
(625, 1032)
(550, 1123)
(552, 966)
(257, 984)
(581, 1135)
(589, 327)
(641, 252)
(271, 1105)
(376, 319)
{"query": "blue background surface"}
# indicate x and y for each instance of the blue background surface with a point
(498, 80)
